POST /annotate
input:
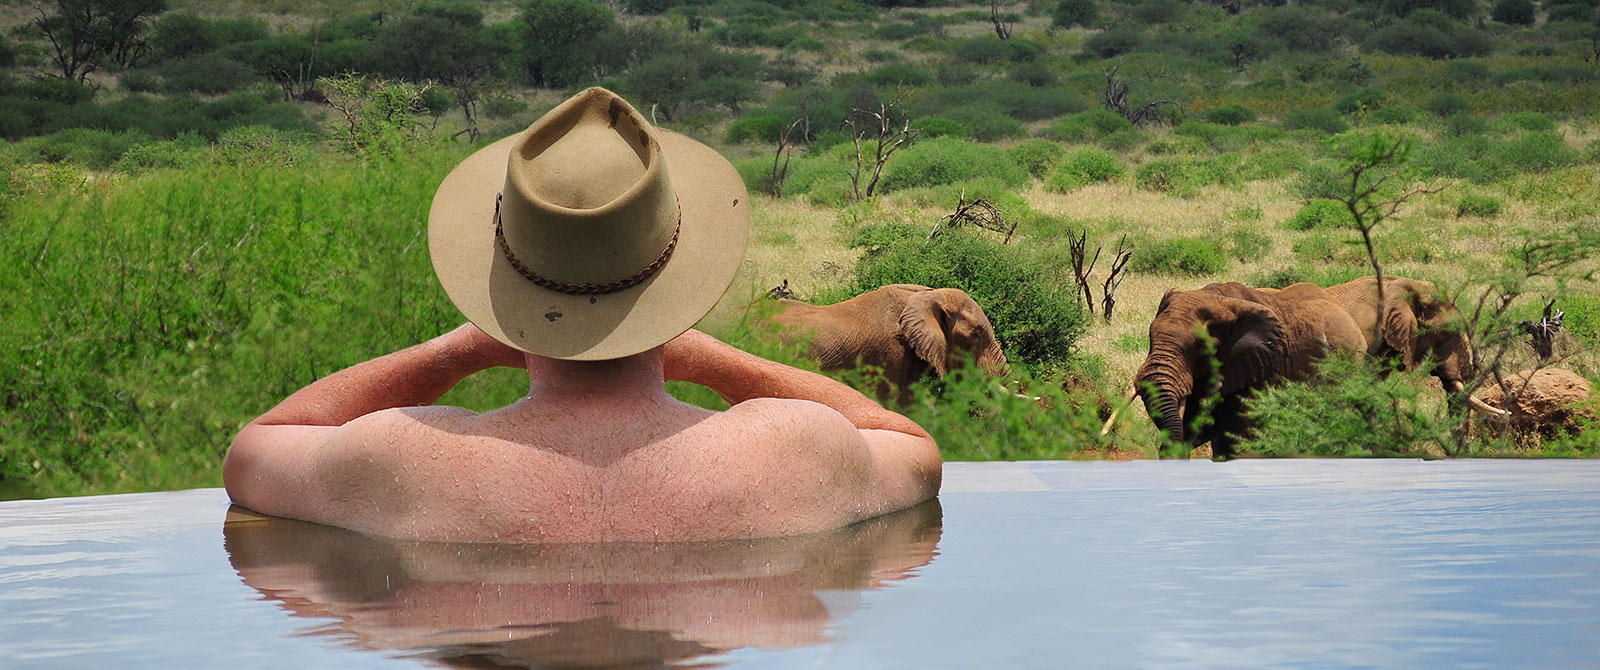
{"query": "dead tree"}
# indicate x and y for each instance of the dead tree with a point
(780, 173)
(1083, 266)
(1117, 100)
(886, 137)
(980, 213)
(1544, 331)
(1119, 272)
(1001, 28)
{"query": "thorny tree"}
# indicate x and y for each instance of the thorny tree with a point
(1117, 100)
(879, 129)
(780, 171)
(84, 33)
(1083, 266)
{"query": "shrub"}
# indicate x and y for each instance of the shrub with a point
(1362, 101)
(1037, 320)
(1189, 256)
(985, 50)
(1533, 152)
(1484, 206)
(1513, 12)
(1319, 213)
(1155, 12)
(944, 160)
(935, 126)
(1069, 13)
(1247, 243)
(1114, 42)
(1321, 119)
(1033, 74)
(1231, 114)
(206, 74)
(1467, 72)
(1308, 29)
(987, 122)
(1350, 408)
(1084, 166)
(896, 75)
(1395, 115)
(1320, 179)
(1412, 38)
(258, 145)
(1185, 176)
(1447, 104)
(764, 128)
(181, 152)
(1533, 121)
(1462, 124)
(1090, 126)
(1037, 156)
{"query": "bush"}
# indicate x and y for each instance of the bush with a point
(1321, 179)
(1247, 243)
(1467, 73)
(1395, 115)
(985, 50)
(892, 76)
(1084, 166)
(1189, 256)
(1365, 100)
(1533, 152)
(1090, 126)
(1448, 104)
(1037, 156)
(1321, 119)
(935, 126)
(944, 160)
(1034, 74)
(1532, 121)
(206, 74)
(1185, 176)
(1350, 408)
(1037, 320)
(1411, 38)
(1319, 213)
(1231, 114)
(1464, 124)
(987, 122)
(1114, 42)
(95, 149)
(1308, 29)
(756, 129)
(1513, 12)
(1069, 13)
(1484, 206)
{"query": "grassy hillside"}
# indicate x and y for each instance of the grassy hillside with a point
(189, 236)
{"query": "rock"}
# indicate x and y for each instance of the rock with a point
(1543, 400)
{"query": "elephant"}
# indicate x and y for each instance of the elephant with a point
(1262, 338)
(1417, 325)
(1543, 401)
(903, 329)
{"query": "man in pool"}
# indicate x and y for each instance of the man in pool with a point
(583, 250)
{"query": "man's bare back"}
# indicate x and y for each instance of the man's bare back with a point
(597, 451)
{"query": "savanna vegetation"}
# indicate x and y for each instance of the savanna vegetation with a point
(205, 205)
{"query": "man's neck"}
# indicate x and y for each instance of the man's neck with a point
(637, 374)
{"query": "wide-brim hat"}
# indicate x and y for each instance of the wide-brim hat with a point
(591, 235)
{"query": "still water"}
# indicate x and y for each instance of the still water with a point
(1293, 563)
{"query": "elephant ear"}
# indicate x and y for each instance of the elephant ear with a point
(923, 326)
(1251, 347)
(1400, 323)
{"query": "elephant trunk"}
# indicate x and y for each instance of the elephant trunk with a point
(1165, 381)
(993, 361)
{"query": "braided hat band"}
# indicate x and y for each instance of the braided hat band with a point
(579, 288)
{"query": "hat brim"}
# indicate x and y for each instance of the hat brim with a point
(510, 308)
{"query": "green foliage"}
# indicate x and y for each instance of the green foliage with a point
(1184, 176)
(1231, 114)
(1069, 13)
(197, 300)
(1037, 156)
(1416, 38)
(1348, 409)
(555, 34)
(973, 418)
(184, 34)
(1083, 166)
(1448, 104)
(986, 121)
(206, 74)
(1090, 126)
(1319, 213)
(1365, 100)
(379, 115)
(1322, 119)
(935, 126)
(1307, 29)
(1248, 243)
(1513, 12)
(1321, 275)
(1114, 42)
(944, 160)
(760, 129)
(186, 150)
(1188, 256)
(1037, 320)
(1484, 206)
(96, 149)
(1533, 152)
(1531, 121)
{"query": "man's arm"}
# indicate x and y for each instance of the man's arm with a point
(738, 376)
(271, 463)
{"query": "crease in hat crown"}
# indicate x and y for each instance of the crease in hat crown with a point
(587, 196)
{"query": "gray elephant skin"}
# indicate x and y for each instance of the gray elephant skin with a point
(1262, 338)
(906, 330)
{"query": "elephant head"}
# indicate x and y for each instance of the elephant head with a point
(945, 326)
(1247, 350)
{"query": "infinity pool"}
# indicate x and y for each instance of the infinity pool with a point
(1284, 563)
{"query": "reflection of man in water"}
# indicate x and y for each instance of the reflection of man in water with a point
(627, 604)
(583, 249)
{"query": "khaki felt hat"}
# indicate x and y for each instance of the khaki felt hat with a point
(591, 235)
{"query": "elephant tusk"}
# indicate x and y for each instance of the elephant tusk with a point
(1480, 406)
(1106, 429)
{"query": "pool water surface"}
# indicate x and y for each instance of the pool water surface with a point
(1246, 564)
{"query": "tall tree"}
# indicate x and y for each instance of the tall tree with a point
(84, 33)
(555, 33)
(461, 55)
